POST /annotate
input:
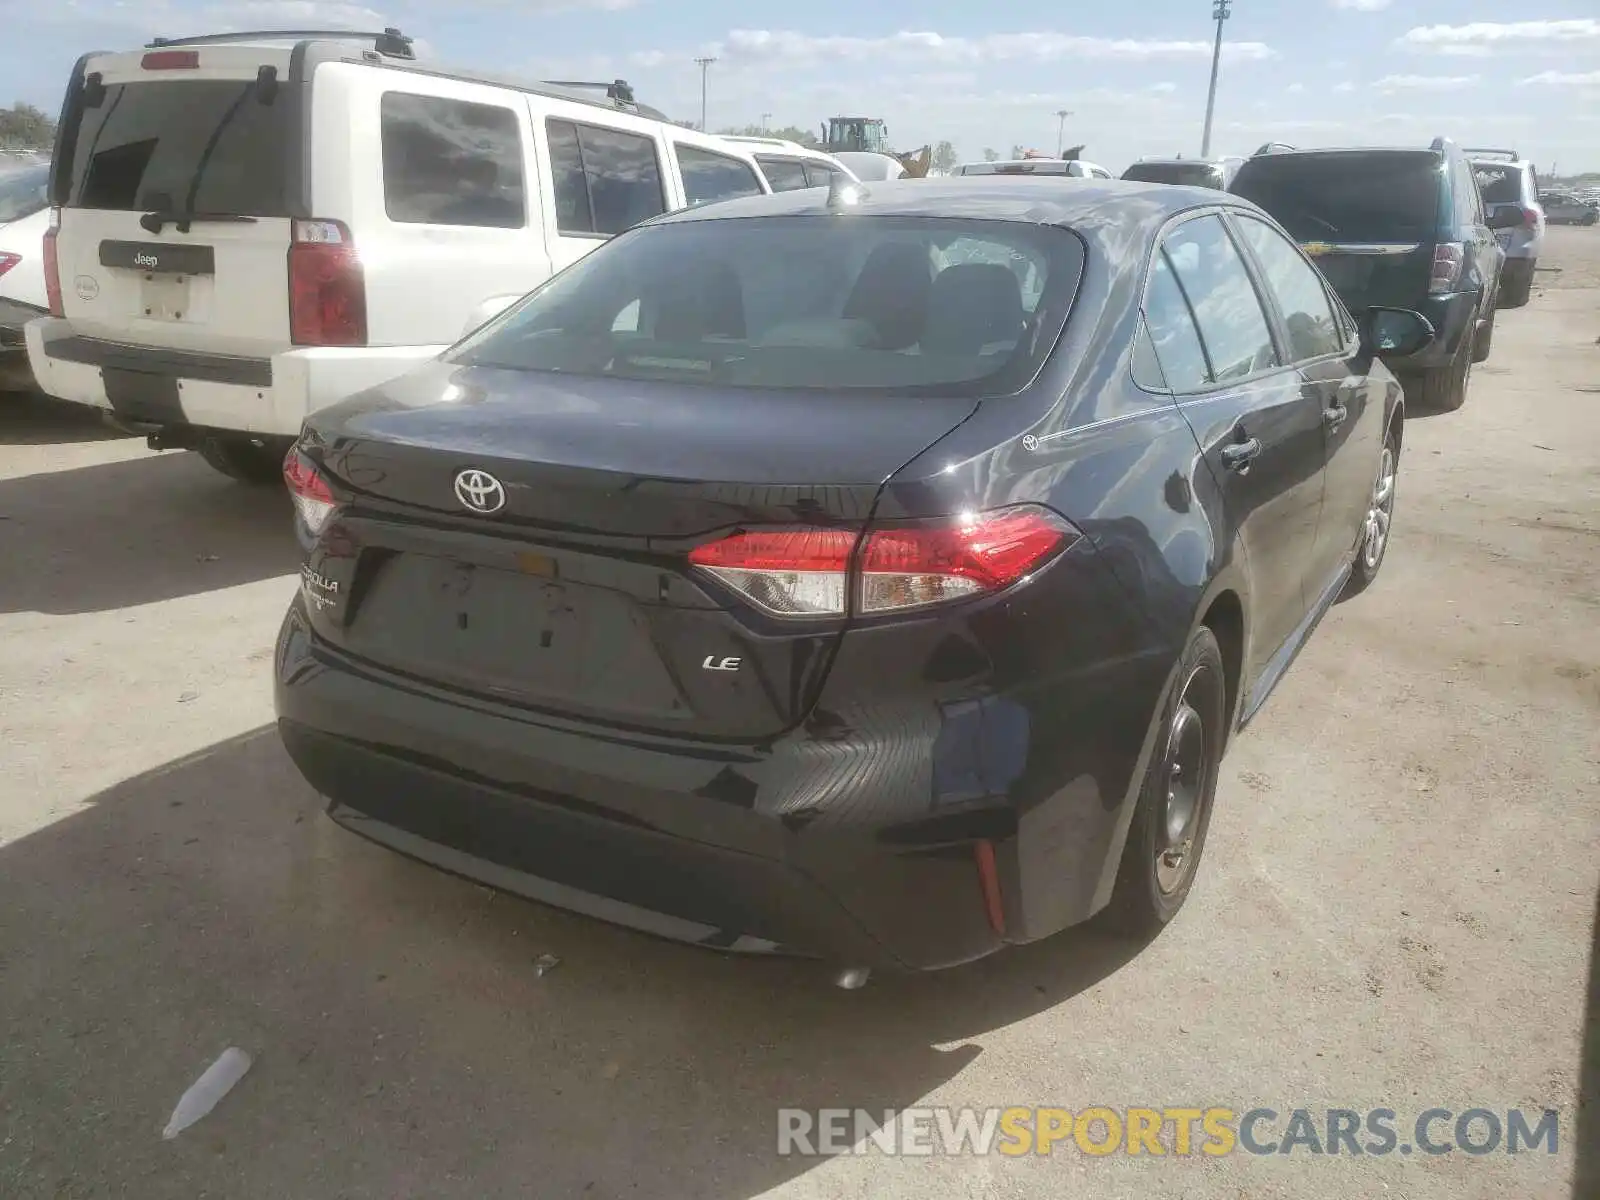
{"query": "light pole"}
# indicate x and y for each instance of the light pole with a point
(705, 65)
(1061, 131)
(765, 117)
(1221, 10)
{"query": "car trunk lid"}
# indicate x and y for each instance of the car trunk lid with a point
(174, 191)
(576, 594)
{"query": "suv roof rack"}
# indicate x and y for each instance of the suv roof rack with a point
(1484, 152)
(619, 90)
(749, 139)
(391, 42)
(1273, 148)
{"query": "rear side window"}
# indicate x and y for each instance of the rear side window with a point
(196, 146)
(822, 176)
(450, 162)
(1173, 333)
(1214, 280)
(1297, 286)
(1469, 208)
(1360, 196)
(895, 305)
(709, 177)
(784, 174)
(606, 180)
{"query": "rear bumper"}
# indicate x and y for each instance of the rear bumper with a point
(266, 396)
(803, 845)
(15, 374)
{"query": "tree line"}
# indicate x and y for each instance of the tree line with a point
(24, 127)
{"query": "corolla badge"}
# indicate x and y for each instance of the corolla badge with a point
(479, 491)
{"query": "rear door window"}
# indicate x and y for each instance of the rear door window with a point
(451, 162)
(1359, 196)
(784, 174)
(606, 180)
(1298, 289)
(820, 175)
(196, 146)
(709, 177)
(1215, 282)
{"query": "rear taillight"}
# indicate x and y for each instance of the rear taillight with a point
(1530, 217)
(52, 266)
(313, 498)
(327, 288)
(1448, 260)
(7, 261)
(808, 572)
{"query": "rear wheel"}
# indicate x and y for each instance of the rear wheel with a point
(247, 459)
(1516, 282)
(1444, 389)
(1169, 826)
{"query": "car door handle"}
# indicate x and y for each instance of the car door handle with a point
(1335, 415)
(1240, 455)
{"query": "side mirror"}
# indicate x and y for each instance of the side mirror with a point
(1506, 218)
(1395, 332)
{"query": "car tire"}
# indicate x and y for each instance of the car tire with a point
(1516, 283)
(1380, 518)
(245, 459)
(1444, 389)
(1168, 833)
(1483, 340)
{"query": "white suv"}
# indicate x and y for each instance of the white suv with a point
(249, 227)
(789, 166)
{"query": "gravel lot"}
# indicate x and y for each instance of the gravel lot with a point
(1397, 907)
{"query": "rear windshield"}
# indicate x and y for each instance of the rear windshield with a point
(23, 191)
(1037, 166)
(197, 146)
(900, 305)
(1370, 197)
(1189, 174)
(1499, 184)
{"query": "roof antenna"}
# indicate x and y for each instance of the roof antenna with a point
(844, 192)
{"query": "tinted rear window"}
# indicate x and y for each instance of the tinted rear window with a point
(1189, 174)
(1378, 197)
(23, 192)
(900, 305)
(1499, 184)
(201, 146)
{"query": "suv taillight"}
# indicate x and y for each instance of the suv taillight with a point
(1448, 260)
(52, 266)
(327, 288)
(808, 572)
(1530, 217)
(313, 498)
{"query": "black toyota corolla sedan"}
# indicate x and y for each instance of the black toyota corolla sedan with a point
(877, 576)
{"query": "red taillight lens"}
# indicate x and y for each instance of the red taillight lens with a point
(171, 60)
(52, 272)
(1530, 217)
(313, 498)
(327, 288)
(1447, 263)
(807, 572)
(7, 261)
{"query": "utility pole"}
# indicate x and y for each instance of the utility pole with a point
(765, 117)
(1221, 10)
(1061, 131)
(705, 65)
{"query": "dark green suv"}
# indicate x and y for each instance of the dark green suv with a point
(1395, 229)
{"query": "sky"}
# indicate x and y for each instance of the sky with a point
(1133, 75)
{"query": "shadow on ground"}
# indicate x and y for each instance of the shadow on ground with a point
(404, 1043)
(29, 419)
(134, 531)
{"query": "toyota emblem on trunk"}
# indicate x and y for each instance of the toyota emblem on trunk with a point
(480, 491)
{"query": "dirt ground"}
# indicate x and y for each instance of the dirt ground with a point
(1396, 910)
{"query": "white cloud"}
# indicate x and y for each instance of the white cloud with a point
(1363, 5)
(1449, 39)
(788, 48)
(1296, 88)
(1346, 86)
(1564, 79)
(1426, 83)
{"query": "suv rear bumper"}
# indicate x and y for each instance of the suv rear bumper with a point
(174, 388)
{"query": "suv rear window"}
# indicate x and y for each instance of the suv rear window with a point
(1500, 184)
(195, 146)
(23, 192)
(1365, 196)
(892, 304)
(1190, 174)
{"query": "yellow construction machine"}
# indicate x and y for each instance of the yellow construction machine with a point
(868, 135)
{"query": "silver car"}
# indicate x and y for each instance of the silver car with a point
(1507, 182)
(1565, 209)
